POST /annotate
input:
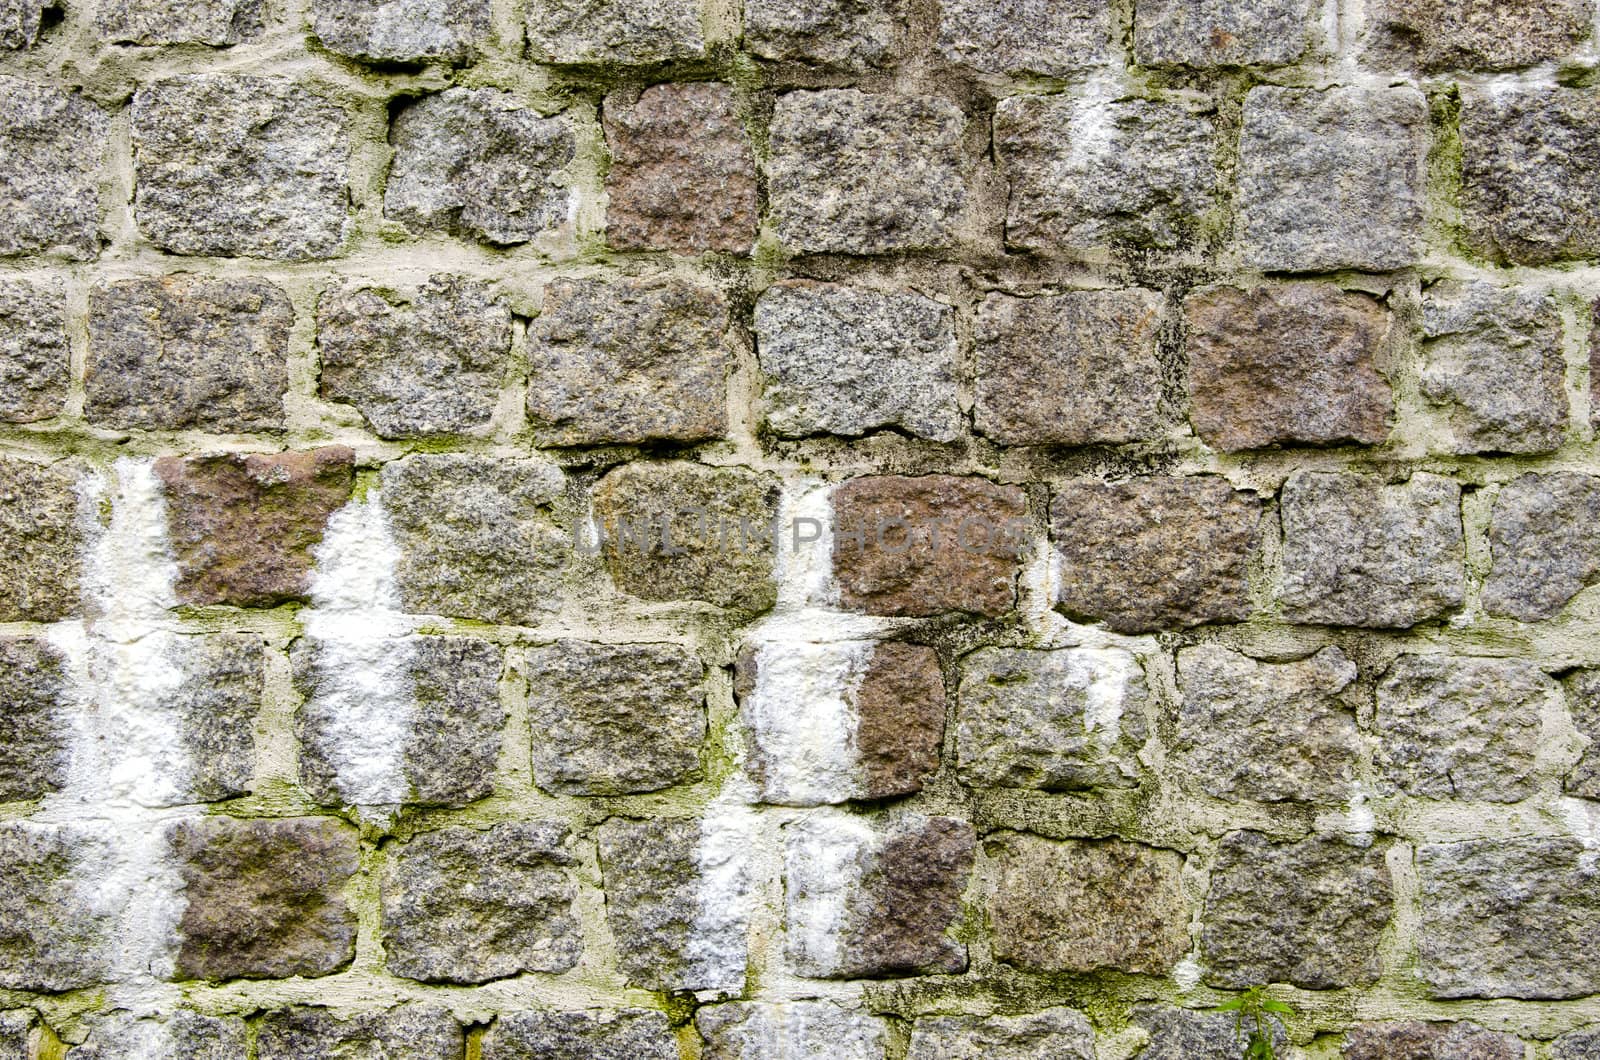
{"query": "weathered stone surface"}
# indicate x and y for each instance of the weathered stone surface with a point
(34, 729)
(409, 1032)
(1306, 912)
(404, 31)
(1061, 720)
(628, 361)
(670, 138)
(40, 541)
(33, 350)
(1073, 369)
(1091, 173)
(53, 932)
(218, 23)
(853, 173)
(626, 32)
(848, 34)
(243, 526)
(1508, 918)
(1360, 552)
(1415, 1040)
(184, 1035)
(212, 704)
(21, 23)
(1287, 364)
(418, 367)
(1527, 159)
(478, 535)
(1494, 362)
(1209, 33)
(1180, 1034)
(184, 352)
(1462, 728)
(847, 360)
(1057, 1033)
(1270, 732)
(1581, 1044)
(1055, 38)
(929, 544)
(1544, 535)
(476, 163)
(17, 1028)
(1434, 35)
(1583, 699)
(758, 1031)
(1155, 552)
(52, 145)
(468, 906)
(900, 719)
(452, 729)
(232, 164)
(263, 897)
(623, 1034)
(872, 901)
(719, 543)
(1084, 906)
(1332, 178)
(614, 719)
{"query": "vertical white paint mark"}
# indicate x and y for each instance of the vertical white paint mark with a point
(129, 572)
(824, 857)
(1106, 673)
(1186, 973)
(803, 719)
(718, 949)
(1582, 819)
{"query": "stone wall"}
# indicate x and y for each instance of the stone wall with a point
(836, 528)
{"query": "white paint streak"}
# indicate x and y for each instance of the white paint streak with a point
(129, 571)
(824, 855)
(1582, 819)
(1186, 973)
(718, 950)
(803, 719)
(1107, 673)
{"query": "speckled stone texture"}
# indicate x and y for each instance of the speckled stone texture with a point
(1583, 700)
(217, 23)
(21, 22)
(52, 147)
(755, 1031)
(34, 368)
(1059, 1033)
(1581, 1044)
(54, 935)
(1221, 33)
(1183, 1034)
(185, 1035)
(17, 1029)
(623, 32)
(410, 1032)
(841, 34)
(1048, 38)
(1415, 1040)
(626, 1034)
(388, 31)
(34, 724)
(1544, 537)
(1434, 35)
(40, 538)
(214, 705)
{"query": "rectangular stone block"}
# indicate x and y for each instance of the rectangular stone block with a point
(52, 146)
(218, 23)
(852, 173)
(1417, 1040)
(408, 1032)
(55, 933)
(1183, 1034)
(1212, 33)
(394, 31)
(34, 365)
(1058, 1033)
(184, 1035)
(183, 352)
(615, 32)
(1581, 1044)
(1074, 369)
(1435, 35)
(1583, 700)
(1544, 537)
(35, 727)
(598, 1034)
(41, 541)
(748, 1030)
(841, 34)
(228, 164)
(1332, 178)
(1022, 38)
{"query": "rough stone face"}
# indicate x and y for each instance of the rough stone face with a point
(861, 174)
(183, 352)
(52, 144)
(33, 350)
(34, 731)
(53, 935)
(1508, 918)
(1494, 362)
(478, 535)
(1415, 1040)
(1475, 34)
(218, 23)
(759, 1031)
(1058, 1033)
(476, 163)
(847, 360)
(1155, 552)
(21, 22)
(1084, 906)
(1018, 37)
(1074, 369)
(420, 367)
(1582, 1044)
(1583, 699)
(615, 719)
(1360, 552)
(405, 31)
(1332, 179)
(1287, 364)
(213, 706)
(1544, 535)
(1527, 160)
(453, 737)
(1305, 912)
(1086, 174)
(865, 901)
(848, 34)
(409, 1032)
(243, 526)
(16, 1031)
(1180, 1034)
(238, 165)
(1462, 728)
(468, 906)
(900, 719)
(628, 361)
(1270, 732)
(925, 545)
(671, 138)
(40, 541)
(1209, 33)
(1061, 720)
(263, 897)
(627, 32)
(184, 1035)
(719, 524)
(624, 1034)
